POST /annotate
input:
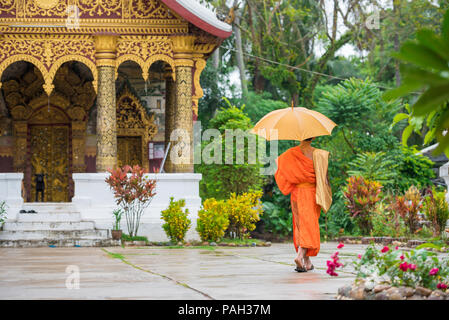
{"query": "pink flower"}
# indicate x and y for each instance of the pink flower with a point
(385, 249)
(396, 247)
(442, 286)
(340, 245)
(334, 255)
(403, 266)
(433, 271)
(412, 267)
(359, 256)
(402, 257)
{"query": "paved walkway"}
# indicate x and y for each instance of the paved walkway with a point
(162, 273)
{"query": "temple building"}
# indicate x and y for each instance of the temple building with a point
(91, 85)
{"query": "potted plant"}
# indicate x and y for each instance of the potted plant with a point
(3, 206)
(133, 192)
(116, 231)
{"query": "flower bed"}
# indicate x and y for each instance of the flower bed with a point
(361, 290)
(392, 274)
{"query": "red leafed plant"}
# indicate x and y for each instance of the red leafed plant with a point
(362, 197)
(133, 192)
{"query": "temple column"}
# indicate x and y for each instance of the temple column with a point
(181, 154)
(170, 97)
(105, 48)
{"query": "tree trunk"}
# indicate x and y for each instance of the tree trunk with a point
(239, 53)
(397, 14)
(216, 58)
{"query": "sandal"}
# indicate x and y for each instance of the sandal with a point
(299, 268)
(311, 268)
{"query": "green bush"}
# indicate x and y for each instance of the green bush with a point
(436, 210)
(387, 222)
(243, 211)
(220, 180)
(127, 237)
(3, 207)
(212, 220)
(176, 221)
(277, 220)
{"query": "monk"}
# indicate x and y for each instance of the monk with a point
(302, 173)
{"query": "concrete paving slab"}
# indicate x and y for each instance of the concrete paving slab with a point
(162, 273)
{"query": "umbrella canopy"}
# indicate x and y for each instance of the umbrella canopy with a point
(293, 124)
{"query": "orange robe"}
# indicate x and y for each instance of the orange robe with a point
(295, 175)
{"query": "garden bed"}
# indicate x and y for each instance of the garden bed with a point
(223, 243)
(400, 242)
(362, 291)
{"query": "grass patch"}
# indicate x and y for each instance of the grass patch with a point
(241, 241)
(126, 237)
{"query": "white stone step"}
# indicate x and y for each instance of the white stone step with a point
(50, 206)
(49, 217)
(59, 243)
(46, 225)
(97, 234)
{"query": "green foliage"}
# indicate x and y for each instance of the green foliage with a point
(3, 207)
(126, 237)
(362, 196)
(220, 180)
(413, 169)
(436, 210)
(277, 219)
(377, 166)
(387, 222)
(337, 220)
(411, 268)
(117, 213)
(243, 211)
(212, 220)
(176, 220)
(214, 83)
(425, 66)
(258, 105)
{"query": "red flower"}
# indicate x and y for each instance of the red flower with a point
(433, 271)
(340, 245)
(396, 247)
(404, 266)
(385, 249)
(402, 257)
(442, 286)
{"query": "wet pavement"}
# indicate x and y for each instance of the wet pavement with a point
(163, 273)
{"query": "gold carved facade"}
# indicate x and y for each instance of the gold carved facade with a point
(143, 31)
(135, 128)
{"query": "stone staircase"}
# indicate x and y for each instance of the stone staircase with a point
(54, 224)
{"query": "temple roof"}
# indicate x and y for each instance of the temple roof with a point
(200, 16)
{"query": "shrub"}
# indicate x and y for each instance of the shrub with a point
(221, 179)
(387, 221)
(413, 204)
(362, 197)
(133, 192)
(392, 266)
(375, 166)
(212, 220)
(243, 212)
(436, 210)
(176, 221)
(117, 213)
(126, 237)
(3, 207)
(277, 220)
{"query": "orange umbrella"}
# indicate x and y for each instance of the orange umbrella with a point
(293, 124)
